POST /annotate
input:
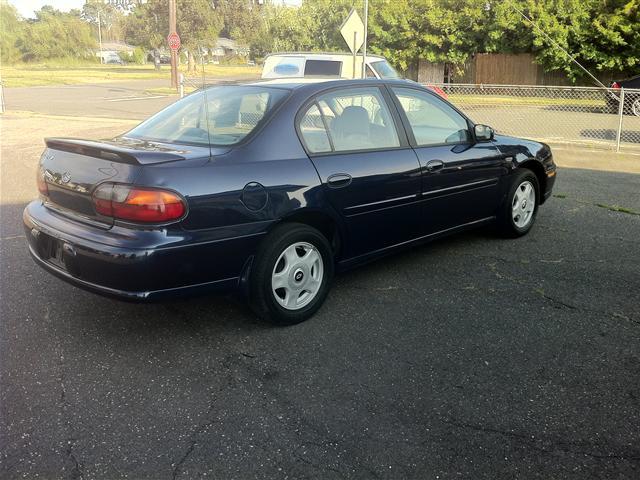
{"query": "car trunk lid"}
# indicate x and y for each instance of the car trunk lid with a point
(72, 168)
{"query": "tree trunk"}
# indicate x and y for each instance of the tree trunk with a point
(191, 68)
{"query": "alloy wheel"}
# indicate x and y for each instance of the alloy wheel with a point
(524, 204)
(297, 275)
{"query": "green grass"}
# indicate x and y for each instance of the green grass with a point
(617, 208)
(479, 100)
(73, 73)
(168, 91)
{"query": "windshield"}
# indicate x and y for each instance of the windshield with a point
(384, 70)
(229, 114)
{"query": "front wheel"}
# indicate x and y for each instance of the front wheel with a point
(291, 274)
(518, 212)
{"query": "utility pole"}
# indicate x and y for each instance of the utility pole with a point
(174, 53)
(364, 45)
(100, 36)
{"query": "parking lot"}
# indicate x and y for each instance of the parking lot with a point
(472, 357)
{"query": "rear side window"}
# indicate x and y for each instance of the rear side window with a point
(322, 68)
(349, 120)
(313, 131)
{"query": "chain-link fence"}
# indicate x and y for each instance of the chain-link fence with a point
(554, 114)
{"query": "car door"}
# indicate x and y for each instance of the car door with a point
(460, 176)
(370, 174)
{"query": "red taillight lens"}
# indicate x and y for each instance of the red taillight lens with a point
(615, 85)
(42, 183)
(136, 204)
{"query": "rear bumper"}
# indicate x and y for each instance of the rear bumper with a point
(135, 265)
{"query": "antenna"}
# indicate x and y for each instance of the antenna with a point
(206, 103)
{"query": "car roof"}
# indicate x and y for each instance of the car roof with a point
(321, 54)
(312, 85)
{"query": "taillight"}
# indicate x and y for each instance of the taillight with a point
(42, 183)
(615, 85)
(138, 204)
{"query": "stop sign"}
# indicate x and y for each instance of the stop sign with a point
(174, 41)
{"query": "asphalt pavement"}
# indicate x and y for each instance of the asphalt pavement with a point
(120, 99)
(472, 357)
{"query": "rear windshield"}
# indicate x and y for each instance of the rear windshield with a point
(384, 70)
(217, 116)
(322, 68)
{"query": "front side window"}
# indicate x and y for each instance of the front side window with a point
(217, 116)
(356, 118)
(432, 121)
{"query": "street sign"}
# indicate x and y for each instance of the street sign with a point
(352, 31)
(174, 41)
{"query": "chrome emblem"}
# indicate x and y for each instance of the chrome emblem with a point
(47, 156)
(66, 177)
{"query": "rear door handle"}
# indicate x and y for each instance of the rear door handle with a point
(434, 165)
(339, 180)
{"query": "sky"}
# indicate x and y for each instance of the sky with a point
(27, 7)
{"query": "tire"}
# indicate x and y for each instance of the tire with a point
(517, 215)
(635, 107)
(299, 258)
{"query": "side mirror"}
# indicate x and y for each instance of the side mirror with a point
(483, 133)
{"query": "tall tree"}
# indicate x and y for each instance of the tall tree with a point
(54, 34)
(198, 24)
(12, 29)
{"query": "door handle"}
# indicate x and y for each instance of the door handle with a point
(435, 165)
(339, 180)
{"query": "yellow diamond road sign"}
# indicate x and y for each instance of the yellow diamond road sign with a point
(352, 31)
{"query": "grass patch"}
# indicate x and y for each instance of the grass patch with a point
(168, 91)
(617, 208)
(69, 73)
(560, 195)
(480, 100)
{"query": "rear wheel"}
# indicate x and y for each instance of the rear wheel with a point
(518, 212)
(291, 275)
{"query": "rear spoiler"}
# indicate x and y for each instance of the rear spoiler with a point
(144, 154)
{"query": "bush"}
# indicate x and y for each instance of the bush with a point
(138, 56)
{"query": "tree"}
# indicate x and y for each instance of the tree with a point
(54, 34)
(198, 24)
(435, 30)
(112, 18)
(12, 29)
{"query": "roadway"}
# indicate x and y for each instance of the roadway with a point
(472, 357)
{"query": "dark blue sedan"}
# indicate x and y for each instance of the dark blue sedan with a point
(270, 188)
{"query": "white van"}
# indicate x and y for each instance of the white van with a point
(323, 65)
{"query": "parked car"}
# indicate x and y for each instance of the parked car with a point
(323, 65)
(114, 61)
(269, 188)
(314, 67)
(631, 98)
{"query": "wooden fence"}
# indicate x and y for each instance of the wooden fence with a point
(495, 69)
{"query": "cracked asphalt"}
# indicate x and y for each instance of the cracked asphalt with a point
(472, 357)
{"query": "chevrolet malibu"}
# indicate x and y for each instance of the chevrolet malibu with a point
(271, 188)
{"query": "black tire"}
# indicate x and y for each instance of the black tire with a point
(506, 223)
(262, 297)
